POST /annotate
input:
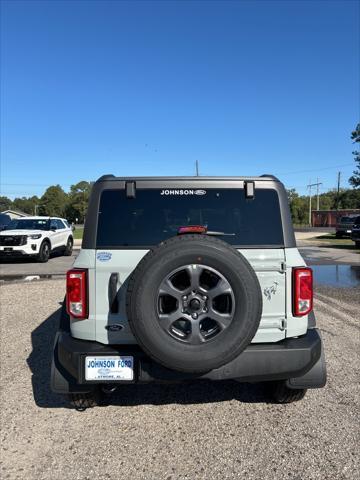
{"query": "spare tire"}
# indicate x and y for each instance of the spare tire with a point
(194, 303)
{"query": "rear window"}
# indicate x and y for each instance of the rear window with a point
(155, 215)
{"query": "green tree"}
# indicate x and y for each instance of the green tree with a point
(354, 180)
(53, 202)
(349, 198)
(78, 201)
(299, 207)
(26, 204)
(5, 203)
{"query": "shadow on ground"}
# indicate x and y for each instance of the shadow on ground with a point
(341, 246)
(194, 392)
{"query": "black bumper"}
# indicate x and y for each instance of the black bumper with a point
(298, 360)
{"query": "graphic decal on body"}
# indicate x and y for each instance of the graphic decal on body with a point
(103, 256)
(270, 291)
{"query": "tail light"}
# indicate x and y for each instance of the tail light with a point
(302, 291)
(76, 293)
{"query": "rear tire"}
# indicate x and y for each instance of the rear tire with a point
(44, 253)
(281, 393)
(357, 244)
(69, 247)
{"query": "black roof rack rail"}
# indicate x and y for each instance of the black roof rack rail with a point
(105, 177)
(270, 176)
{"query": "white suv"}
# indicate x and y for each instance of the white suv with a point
(37, 237)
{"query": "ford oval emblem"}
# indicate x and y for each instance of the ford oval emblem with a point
(103, 256)
(200, 192)
(115, 327)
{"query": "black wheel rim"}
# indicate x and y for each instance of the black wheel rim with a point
(195, 304)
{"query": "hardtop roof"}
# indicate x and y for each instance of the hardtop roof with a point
(265, 178)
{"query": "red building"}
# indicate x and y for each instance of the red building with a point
(328, 218)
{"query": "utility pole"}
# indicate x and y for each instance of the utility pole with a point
(197, 168)
(338, 191)
(309, 187)
(317, 194)
(36, 209)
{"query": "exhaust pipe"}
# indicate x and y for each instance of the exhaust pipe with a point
(107, 389)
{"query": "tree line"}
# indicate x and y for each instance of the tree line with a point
(73, 205)
(54, 202)
(348, 198)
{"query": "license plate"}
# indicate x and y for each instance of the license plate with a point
(8, 249)
(109, 368)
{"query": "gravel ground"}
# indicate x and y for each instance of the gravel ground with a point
(199, 431)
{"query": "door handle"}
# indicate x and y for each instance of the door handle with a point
(112, 293)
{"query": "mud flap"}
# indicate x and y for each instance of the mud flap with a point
(314, 378)
(58, 382)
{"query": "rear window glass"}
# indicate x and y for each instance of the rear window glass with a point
(155, 215)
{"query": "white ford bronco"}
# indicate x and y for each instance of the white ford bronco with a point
(36, 237)
(187, 278)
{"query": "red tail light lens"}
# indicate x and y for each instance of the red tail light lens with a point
(76, 293)
(302, 291)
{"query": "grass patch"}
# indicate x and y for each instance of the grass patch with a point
(78, 233)
(331, 238)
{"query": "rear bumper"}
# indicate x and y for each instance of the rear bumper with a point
(294, 358)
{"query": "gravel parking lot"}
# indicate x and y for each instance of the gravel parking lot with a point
(196, 431)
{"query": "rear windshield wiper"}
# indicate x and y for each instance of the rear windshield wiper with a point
(220, 234)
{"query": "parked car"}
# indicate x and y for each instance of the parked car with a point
(355, 234)
(188, 278)
(36, 237)
(344, 226)
(4, 221)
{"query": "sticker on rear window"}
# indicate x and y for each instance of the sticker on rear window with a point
(103, 256)
(183, 192)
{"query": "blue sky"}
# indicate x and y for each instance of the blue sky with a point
(146, 88)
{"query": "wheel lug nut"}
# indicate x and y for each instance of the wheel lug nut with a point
(184, 297)
(194, 315)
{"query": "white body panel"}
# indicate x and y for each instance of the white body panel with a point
(272, 266)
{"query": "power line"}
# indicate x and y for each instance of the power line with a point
(32, 184)
(315, 169)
